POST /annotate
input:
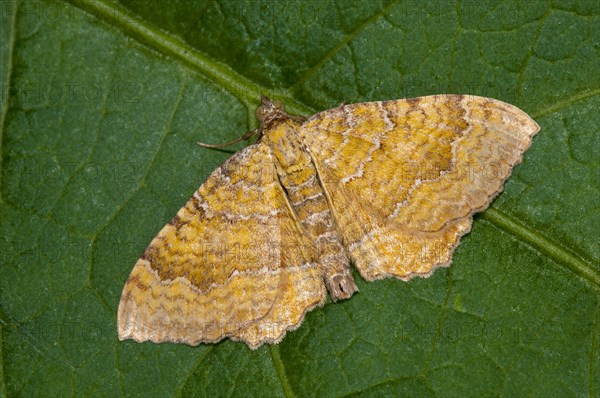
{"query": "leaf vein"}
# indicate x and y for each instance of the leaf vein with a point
(6, 91)
(347, 38)
(153, 158)
(239, 86)
(565, 103)
(280, 369)
(594, 355)
(556, 252)
(179, 391)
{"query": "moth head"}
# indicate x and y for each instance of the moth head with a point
(269, 112)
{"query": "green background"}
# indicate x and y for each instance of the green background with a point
(102, 104)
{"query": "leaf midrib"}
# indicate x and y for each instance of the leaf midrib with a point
(6, 86)
(3, 114)
(559, 254)
(139, 29)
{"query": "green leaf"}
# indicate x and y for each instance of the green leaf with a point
(102, 104)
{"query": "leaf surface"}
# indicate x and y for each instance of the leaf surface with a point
(102, 104)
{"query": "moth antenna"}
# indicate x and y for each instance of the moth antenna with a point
(244, 137)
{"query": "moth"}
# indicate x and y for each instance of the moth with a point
(389, 187)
